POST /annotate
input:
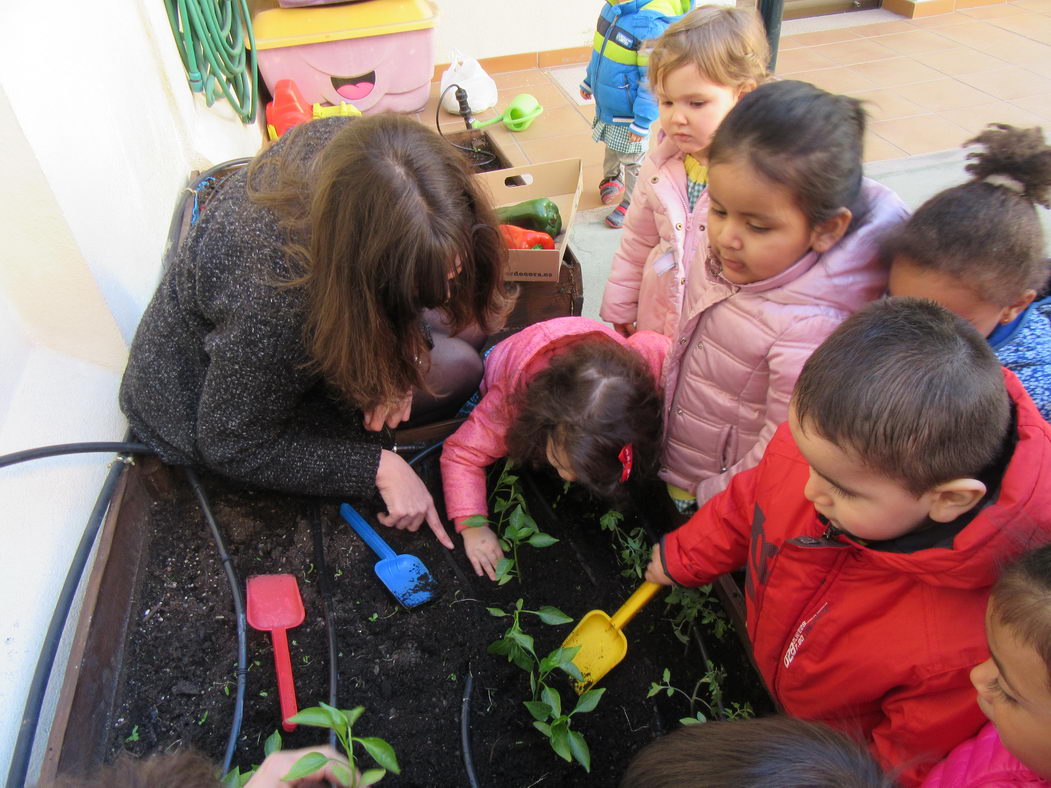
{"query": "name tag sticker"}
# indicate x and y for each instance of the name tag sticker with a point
(664, 263)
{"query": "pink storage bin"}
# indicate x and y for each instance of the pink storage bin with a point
(375, 54)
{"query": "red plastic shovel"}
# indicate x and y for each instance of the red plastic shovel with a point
(274, 605)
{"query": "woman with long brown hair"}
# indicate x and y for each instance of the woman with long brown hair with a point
(339, 285)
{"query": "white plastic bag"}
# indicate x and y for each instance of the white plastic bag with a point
(468, 74)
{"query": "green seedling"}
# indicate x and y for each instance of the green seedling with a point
(513, 524)
(134, 735)
(374, 617)
(632, 547)
(203, 718)
(713, 680)
(692, 605)
(545, 705)
(340, 721)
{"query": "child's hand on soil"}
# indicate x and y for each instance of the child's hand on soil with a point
(483, 550)
(388, 415)
(655, 571)
(278, 764)
(624, 329)
(408, 501)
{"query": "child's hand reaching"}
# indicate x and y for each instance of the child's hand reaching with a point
(483, 550)
(584, 94)
(633, 137)
(655, 571)
(624, 329)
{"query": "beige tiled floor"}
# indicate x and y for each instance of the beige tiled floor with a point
(930, 84)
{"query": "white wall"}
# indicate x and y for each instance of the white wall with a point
(99, 132)
(490, 28)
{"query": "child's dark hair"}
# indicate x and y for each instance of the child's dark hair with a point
(986, 232)
(1021, 601)
(802, 138)
(910, 389)
(770, 752)
(593, 399)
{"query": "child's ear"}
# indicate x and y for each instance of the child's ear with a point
(953, 498)
(1011, 311)
(745, 88)
(827, 233)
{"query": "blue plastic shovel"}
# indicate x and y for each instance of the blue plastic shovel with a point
(404, 575)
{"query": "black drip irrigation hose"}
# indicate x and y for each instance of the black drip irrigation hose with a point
(324, 585)
(465, 728)
(27, 728)
(548, 515)
(59, 449)
(420, 456)
(468, 688)
(239, 612)
(696, 633)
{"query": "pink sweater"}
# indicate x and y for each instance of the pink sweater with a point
(739, 348)
(983, 762)
(480, 440)
(661, 237)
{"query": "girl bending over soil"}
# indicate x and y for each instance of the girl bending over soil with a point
(570, 392)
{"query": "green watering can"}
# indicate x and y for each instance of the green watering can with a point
(518, 115)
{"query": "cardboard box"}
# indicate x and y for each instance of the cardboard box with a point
(559, 181)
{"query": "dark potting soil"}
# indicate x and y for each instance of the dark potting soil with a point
(407, 668)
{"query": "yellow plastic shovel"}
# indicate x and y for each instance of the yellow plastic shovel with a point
(602, 644)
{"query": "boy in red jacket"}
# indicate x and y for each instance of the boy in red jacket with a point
(911, 467)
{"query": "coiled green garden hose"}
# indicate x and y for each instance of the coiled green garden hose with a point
(210, 35)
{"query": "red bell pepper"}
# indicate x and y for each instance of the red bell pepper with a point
(520, 238)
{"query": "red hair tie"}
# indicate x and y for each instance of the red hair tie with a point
(625, 461)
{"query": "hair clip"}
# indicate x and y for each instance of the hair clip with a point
(625, 461)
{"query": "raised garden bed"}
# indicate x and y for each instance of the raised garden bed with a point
(169, 680)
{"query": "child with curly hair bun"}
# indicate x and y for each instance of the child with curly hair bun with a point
(569, 392)
(978, 250)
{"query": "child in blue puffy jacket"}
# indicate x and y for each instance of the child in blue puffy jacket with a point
(624, 106)
(978, 249)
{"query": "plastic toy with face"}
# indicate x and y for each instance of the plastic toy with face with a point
(387, 73)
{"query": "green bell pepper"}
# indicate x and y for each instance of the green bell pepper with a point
(540, 214)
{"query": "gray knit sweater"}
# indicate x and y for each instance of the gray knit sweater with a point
(216, 375)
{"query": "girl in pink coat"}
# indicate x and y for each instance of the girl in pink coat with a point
(699, 68)
(793, 233)
(1014, 687)
(568, 392)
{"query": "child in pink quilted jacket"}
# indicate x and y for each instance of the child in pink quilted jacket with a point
(699, 68)
(793, 233)
(1014, 687)
(568, 392)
